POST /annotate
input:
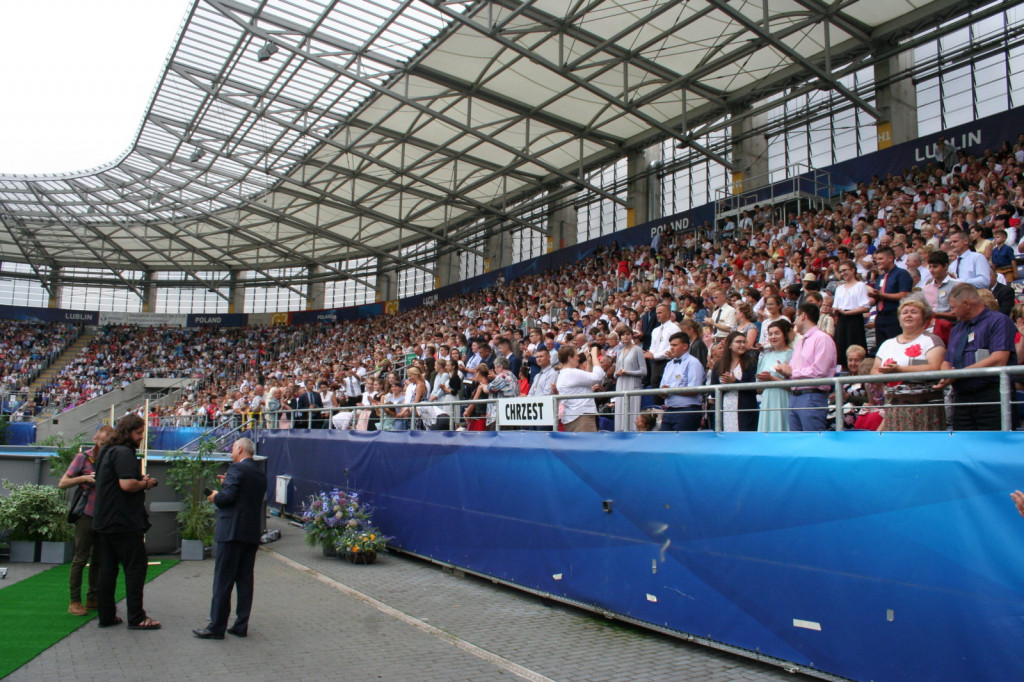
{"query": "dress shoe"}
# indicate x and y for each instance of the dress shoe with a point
(237, 633)
(76, 609)
(207, 633)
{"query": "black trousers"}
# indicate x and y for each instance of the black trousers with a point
(967, 417)
(116, 550)
(886, 327)
(657, 371)
(234, 568)
(681, 418)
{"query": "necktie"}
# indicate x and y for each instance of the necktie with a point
(957, 273)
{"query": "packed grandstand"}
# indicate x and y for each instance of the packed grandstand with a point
(764, 265)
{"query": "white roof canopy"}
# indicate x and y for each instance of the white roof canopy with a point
(377, 124)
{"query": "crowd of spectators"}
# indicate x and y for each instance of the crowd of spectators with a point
(900, 274)
(26, 349)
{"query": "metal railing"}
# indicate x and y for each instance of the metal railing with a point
(325, 417)
(801, 183)
(222, 437)
(837, 394)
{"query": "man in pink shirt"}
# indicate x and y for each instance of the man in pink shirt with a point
(814, 356)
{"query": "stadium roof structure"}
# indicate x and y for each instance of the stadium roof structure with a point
(311, 132)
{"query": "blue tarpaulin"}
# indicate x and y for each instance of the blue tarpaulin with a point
(172, 438)
(20, 433)
(894, 556)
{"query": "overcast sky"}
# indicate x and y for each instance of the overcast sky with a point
(76, 77)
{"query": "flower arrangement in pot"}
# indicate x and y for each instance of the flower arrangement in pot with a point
(325, 517)
(360, 542)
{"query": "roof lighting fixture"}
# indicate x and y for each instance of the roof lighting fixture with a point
(266, 52)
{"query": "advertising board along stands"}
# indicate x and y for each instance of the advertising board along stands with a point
(527, 411)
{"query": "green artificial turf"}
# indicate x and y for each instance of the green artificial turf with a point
(34, 613)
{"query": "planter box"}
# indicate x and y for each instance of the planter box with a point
(24, 551)
(192, 550)
(56, 552)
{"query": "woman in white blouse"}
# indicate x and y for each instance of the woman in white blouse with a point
(851, 302)
(578, 414)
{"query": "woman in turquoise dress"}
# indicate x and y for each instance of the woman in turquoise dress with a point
(774, 414)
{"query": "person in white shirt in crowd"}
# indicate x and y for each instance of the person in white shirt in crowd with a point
(258, 402)
(544, 382)
(659, 353)
(851, 302)
(899, 247)
(352, 388)
(916, 263)
(723, 317)
(966, 265)
(578, 414)
(936, 292)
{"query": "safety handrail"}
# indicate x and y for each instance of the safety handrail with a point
(836, 385)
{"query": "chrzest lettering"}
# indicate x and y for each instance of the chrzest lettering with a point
(524, 411)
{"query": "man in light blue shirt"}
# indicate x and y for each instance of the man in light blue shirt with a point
(966, 265)
(682, 412)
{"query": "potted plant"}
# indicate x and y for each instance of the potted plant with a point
(66, 451)
(190, 475)
(35, 514)
(361, 541)
(325, 517)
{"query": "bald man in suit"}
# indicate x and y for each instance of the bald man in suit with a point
(239, 521)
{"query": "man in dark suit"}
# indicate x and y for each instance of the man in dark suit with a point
(514, 362)
(309, 399)
(239, 514)
(1003, 293)
(648, 321)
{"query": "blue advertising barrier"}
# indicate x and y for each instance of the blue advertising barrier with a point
(20, 433)
(174, 437)
(894, 556)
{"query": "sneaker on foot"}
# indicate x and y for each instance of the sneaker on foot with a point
(91, 604)
(76, 609)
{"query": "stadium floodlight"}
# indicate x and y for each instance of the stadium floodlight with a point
(266, 52)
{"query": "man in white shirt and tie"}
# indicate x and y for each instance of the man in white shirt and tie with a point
(660, 352)
(353, 391)
(723, 317)
(966, 265)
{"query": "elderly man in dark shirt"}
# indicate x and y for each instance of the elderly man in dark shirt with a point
(981, 338)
